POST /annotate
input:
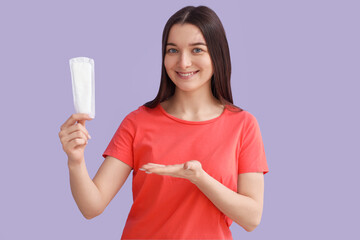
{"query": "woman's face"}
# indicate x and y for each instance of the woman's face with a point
(187, 60)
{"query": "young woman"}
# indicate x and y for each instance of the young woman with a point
(198, 161)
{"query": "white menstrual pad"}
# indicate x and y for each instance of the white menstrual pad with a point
(83, 85)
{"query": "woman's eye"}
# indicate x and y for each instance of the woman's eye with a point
(171, 50)
(197, 50)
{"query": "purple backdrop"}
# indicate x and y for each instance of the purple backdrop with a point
(295, 68)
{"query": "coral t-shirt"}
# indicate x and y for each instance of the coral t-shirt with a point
(166, 207)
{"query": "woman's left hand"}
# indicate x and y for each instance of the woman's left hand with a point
(190, 170)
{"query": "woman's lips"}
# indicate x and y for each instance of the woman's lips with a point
(186, 75)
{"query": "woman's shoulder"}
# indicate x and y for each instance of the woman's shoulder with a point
(238, 114)
(141, 113)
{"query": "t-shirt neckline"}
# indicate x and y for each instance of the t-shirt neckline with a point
(187, 121)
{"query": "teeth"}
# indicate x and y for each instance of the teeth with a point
(186, 74)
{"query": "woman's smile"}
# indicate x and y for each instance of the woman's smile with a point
(187, 75)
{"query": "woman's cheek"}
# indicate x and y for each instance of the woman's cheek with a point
(169, 62)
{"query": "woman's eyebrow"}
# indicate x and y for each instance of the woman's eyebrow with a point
(197, 43)
(191, 44)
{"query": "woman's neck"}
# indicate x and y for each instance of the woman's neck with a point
(193, 106)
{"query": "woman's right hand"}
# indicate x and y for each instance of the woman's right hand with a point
(74, 137)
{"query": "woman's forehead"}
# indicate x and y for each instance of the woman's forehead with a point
(185, 34)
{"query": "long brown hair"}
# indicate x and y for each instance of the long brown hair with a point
(213, 31)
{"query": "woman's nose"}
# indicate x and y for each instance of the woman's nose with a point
(184, 61)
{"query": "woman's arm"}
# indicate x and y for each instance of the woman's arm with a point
(92, 196)
(244, 206)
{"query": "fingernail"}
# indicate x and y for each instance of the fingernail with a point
(142, 169)
(148, 172)
(89, 136)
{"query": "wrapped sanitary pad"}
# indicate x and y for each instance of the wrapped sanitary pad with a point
(83, 85)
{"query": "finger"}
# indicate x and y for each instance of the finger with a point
(75, 128)
(160, 167)
(155, 164)
(74, 118)
(148, 166)
(80, 127)
(75, 135)
(81, 122)
(160, 171)
(170, 169)
(187, 166)
(192, 164)
(75, 143)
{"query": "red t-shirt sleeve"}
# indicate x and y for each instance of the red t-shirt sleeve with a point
(252, 153)
(121, 145)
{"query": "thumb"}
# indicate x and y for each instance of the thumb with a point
(192, 164)
(82, 122)
(188, 165)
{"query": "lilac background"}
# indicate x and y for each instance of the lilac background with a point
(295, 68)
